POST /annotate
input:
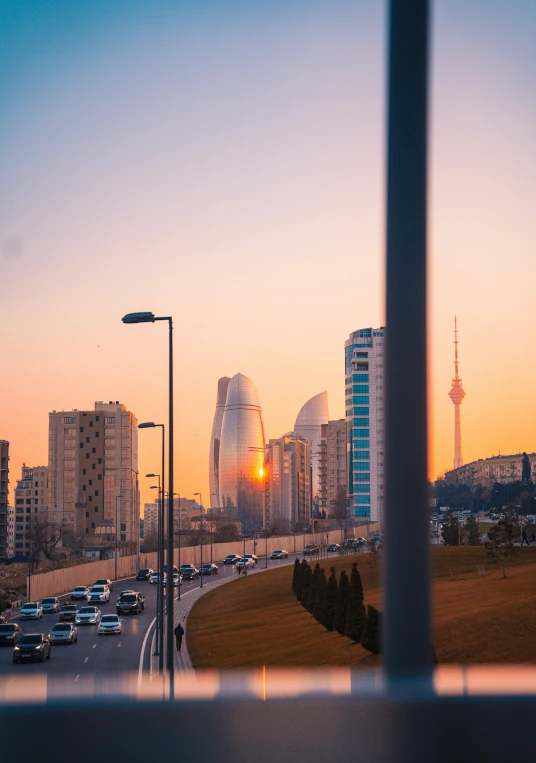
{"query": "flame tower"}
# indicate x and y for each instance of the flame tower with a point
(457, 394)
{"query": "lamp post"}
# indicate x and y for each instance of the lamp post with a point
(201, 566)
(161, 524)
(159, 652)
(117, 532)
(147, 317)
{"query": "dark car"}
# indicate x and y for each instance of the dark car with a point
(32, 647)
(279, 554)
(209, 569)
(231, 559)
(189, 573)
(68, 612)
(144, 574)
(311, 549)
(333, 547)
(130, 604)
(10, 633)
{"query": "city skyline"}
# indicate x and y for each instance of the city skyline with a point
(110, 195)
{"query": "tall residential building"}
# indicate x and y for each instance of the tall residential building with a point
(487, 471)
(332, 465)
(10, 532)
(309, 422)
(31, 503)
(364, 360)
(241, 452)
(215, 440)
(287, 470)
(184, 508)
(457, 395)
(4, 496)
(93, 473)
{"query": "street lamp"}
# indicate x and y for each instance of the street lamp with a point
(146, 317)
(201, 505)
(117, 532)
(159, 652)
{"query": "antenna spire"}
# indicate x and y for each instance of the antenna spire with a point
(457, 395)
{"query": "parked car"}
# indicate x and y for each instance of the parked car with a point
(209, 568)
(231, 559)
(311, 549)
(50, 604)
(333, 548)
(189, 572)
(63, 633)
(32, 610)
(68, 612)
(100, 594)
(32, 647)
(245, 562)
(80, 592)
(109, 624)
(104, 581)
(154, 577)
(130, 604)
(144, 574)
(88, 616)
(251, 556)
(10, 633)
(279, 554)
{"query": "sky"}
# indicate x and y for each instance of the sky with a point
(222, 161)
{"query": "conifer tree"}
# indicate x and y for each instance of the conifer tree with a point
(371, 637)
(311, 596)
(355, 610)
(330, 602)
(296, 576)
(321, 587)
(306, 580)
(339, 621)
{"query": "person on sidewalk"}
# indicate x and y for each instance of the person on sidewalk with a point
(524, 538)
(179, 633)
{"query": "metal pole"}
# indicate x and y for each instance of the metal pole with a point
(179, 540)
(157, 635)
(160, 581)
(117, 532)
(30, 551)
(408, 646)
(169, 635)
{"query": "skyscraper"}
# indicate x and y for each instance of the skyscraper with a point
(93, 472)
(241, 453)
(364, 354)
(287, 501)
(215, 441)
(309, 422)
(457, 395)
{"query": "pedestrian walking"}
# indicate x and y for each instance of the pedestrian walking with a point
(239, 569)
(524, 538)
(179, 633)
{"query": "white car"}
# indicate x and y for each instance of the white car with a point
(253, 557)
(88, 616)
(154, 577)
(63, 633)
(50, 604)
(109, 624)
(32, 610)
(245, 562)
(99, 593)
(80, 592)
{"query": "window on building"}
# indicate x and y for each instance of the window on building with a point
(93, 466)
(109, 420)
(96, 509)
(87, 455)
(93, 525)
(83, 471)
(87, 514)
(90, 423)
(99, 461)
(81, 444)
(99, 476)
(93, 450)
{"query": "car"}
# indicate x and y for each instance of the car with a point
(333, 548)
(279, 554)
(88, 616)
(104, 581)
(50, 604)
(350, 543)
(99, 593)
(109, 624)
(231, 559)
(251, 556)
(154, 578)
(32, 646)
(10, 633)
(68, 612)
(176, 578)
(244, 562)
(209, 568)
(31, 611)
(63, 633)
(311, 549)
(125, 591)
(189, 572)
(144, 574)
(80, 592)
(130, 604)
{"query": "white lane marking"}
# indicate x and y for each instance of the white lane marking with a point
(119, 644)
(94, 645)
(142, 652)
(87, 658)
(77, 677)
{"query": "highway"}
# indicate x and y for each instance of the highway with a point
(96, 665)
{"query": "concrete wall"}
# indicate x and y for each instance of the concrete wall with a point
(62, 581)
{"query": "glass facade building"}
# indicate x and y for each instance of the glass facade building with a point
(364, 355)
(215, 441)
(241, 454)
(308, 424)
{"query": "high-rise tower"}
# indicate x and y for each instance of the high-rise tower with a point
(457, 394)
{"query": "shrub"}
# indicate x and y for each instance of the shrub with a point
(355, 610)
(371, 637)
(339, 621)
(330, 602)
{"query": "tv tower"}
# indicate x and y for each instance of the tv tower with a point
(457, 394)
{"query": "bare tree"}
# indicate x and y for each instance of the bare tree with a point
(44, 537)
(338, 509)
(150, 542)
(279, 526)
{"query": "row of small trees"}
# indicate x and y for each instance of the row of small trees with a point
(338, 606)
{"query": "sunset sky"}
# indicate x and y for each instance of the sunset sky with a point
(222, 161)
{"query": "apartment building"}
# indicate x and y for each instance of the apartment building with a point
(332, 465)
(31, 503)
(4, 497)
(287, 473)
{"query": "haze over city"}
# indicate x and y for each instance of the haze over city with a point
(235, 181)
